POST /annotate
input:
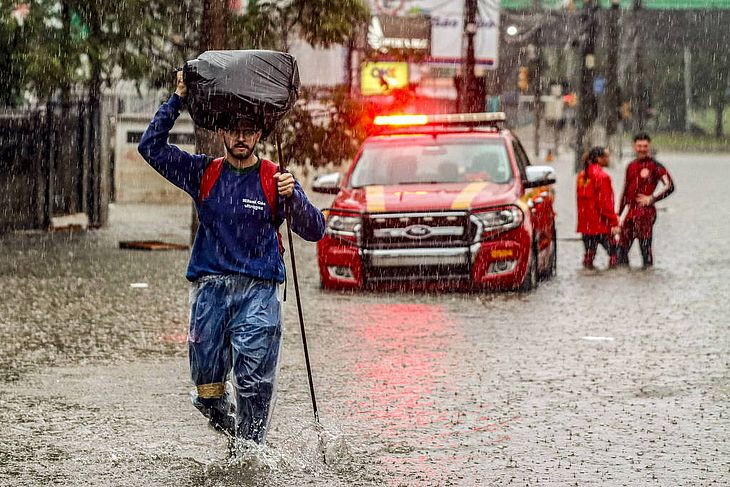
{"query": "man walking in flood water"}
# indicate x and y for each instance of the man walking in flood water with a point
(236, 266)
(643, 175)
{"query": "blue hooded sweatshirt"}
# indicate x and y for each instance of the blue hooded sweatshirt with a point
(237, 234)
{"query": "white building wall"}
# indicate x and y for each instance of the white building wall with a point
(135, 180)
(320, 67)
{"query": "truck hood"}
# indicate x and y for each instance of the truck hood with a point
(424, 197)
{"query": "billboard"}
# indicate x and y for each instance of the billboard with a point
(404, 37)
(379, 78)
(447, 27)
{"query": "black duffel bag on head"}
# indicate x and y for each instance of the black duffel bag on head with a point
(226, 88)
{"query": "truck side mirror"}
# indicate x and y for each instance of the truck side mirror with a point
(327, 183)
(536, 176)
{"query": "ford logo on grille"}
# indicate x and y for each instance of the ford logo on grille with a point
(417, 231)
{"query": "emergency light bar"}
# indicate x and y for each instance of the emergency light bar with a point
(401, 120)
(454, 118)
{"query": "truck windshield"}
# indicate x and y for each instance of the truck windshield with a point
(427, 159)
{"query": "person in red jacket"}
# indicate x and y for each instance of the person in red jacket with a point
(643, 175)
(597, 220)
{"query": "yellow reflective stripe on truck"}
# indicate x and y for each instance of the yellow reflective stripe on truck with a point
(466, 196)
(375, 198)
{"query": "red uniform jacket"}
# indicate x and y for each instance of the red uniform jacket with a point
(642, 177)
(596, 213)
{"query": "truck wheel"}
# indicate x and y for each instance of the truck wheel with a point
(530, 281)
(552, 269)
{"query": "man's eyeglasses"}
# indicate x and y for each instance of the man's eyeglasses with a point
(247, 133)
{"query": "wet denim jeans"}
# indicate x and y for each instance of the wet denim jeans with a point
(235, 334)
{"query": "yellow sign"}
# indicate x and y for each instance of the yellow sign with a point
(380, 78)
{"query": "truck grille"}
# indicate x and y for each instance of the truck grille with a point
(441, 273)
(416, 230)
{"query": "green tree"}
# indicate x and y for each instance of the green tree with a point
(330, 133)
(11, 59)
(667, 92)
(270, 24)
(711, 83)
(75, 46)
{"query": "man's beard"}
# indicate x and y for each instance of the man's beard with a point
(246, 151)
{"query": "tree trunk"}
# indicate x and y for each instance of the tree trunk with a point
(93, 171)
(213, 37)
(64, 86)
(92, 159)
(719, 128)
(587, 105)
(468, 95)
(613, 97)
(639, 103)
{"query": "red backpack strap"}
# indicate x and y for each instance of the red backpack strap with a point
(268, 183)
(271, 193)
(210, 176)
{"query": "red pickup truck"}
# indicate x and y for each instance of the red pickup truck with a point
(444, 200)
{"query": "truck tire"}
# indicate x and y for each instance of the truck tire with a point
(531, 279)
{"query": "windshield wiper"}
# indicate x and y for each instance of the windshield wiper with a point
(422, 182)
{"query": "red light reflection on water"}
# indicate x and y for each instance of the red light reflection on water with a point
(405, 363)
(412, 390)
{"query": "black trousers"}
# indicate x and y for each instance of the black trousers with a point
(641, 229)
(591, 242)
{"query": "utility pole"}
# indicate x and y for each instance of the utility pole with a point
(639, 102)
(587, 109)
(467, 97)
(348, 64)
(92, 161)
(534, 55)
(613, 90)
(213, 27)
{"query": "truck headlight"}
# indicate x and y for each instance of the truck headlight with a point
(347, 226)
(501, 219)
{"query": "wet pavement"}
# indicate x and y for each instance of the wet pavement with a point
(597, 378)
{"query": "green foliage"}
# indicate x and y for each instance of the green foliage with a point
(685, 142)
(710, 78)
(11, 59)
(323, 130)
(70, 46)
(270, 24)
(666, 70)
(711, 83)
(705, 120)
(65, 47)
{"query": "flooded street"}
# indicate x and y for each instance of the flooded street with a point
(596, 378)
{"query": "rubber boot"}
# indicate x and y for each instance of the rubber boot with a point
(588, 259)
(613, 260)
(218, 411)
(646, 253)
